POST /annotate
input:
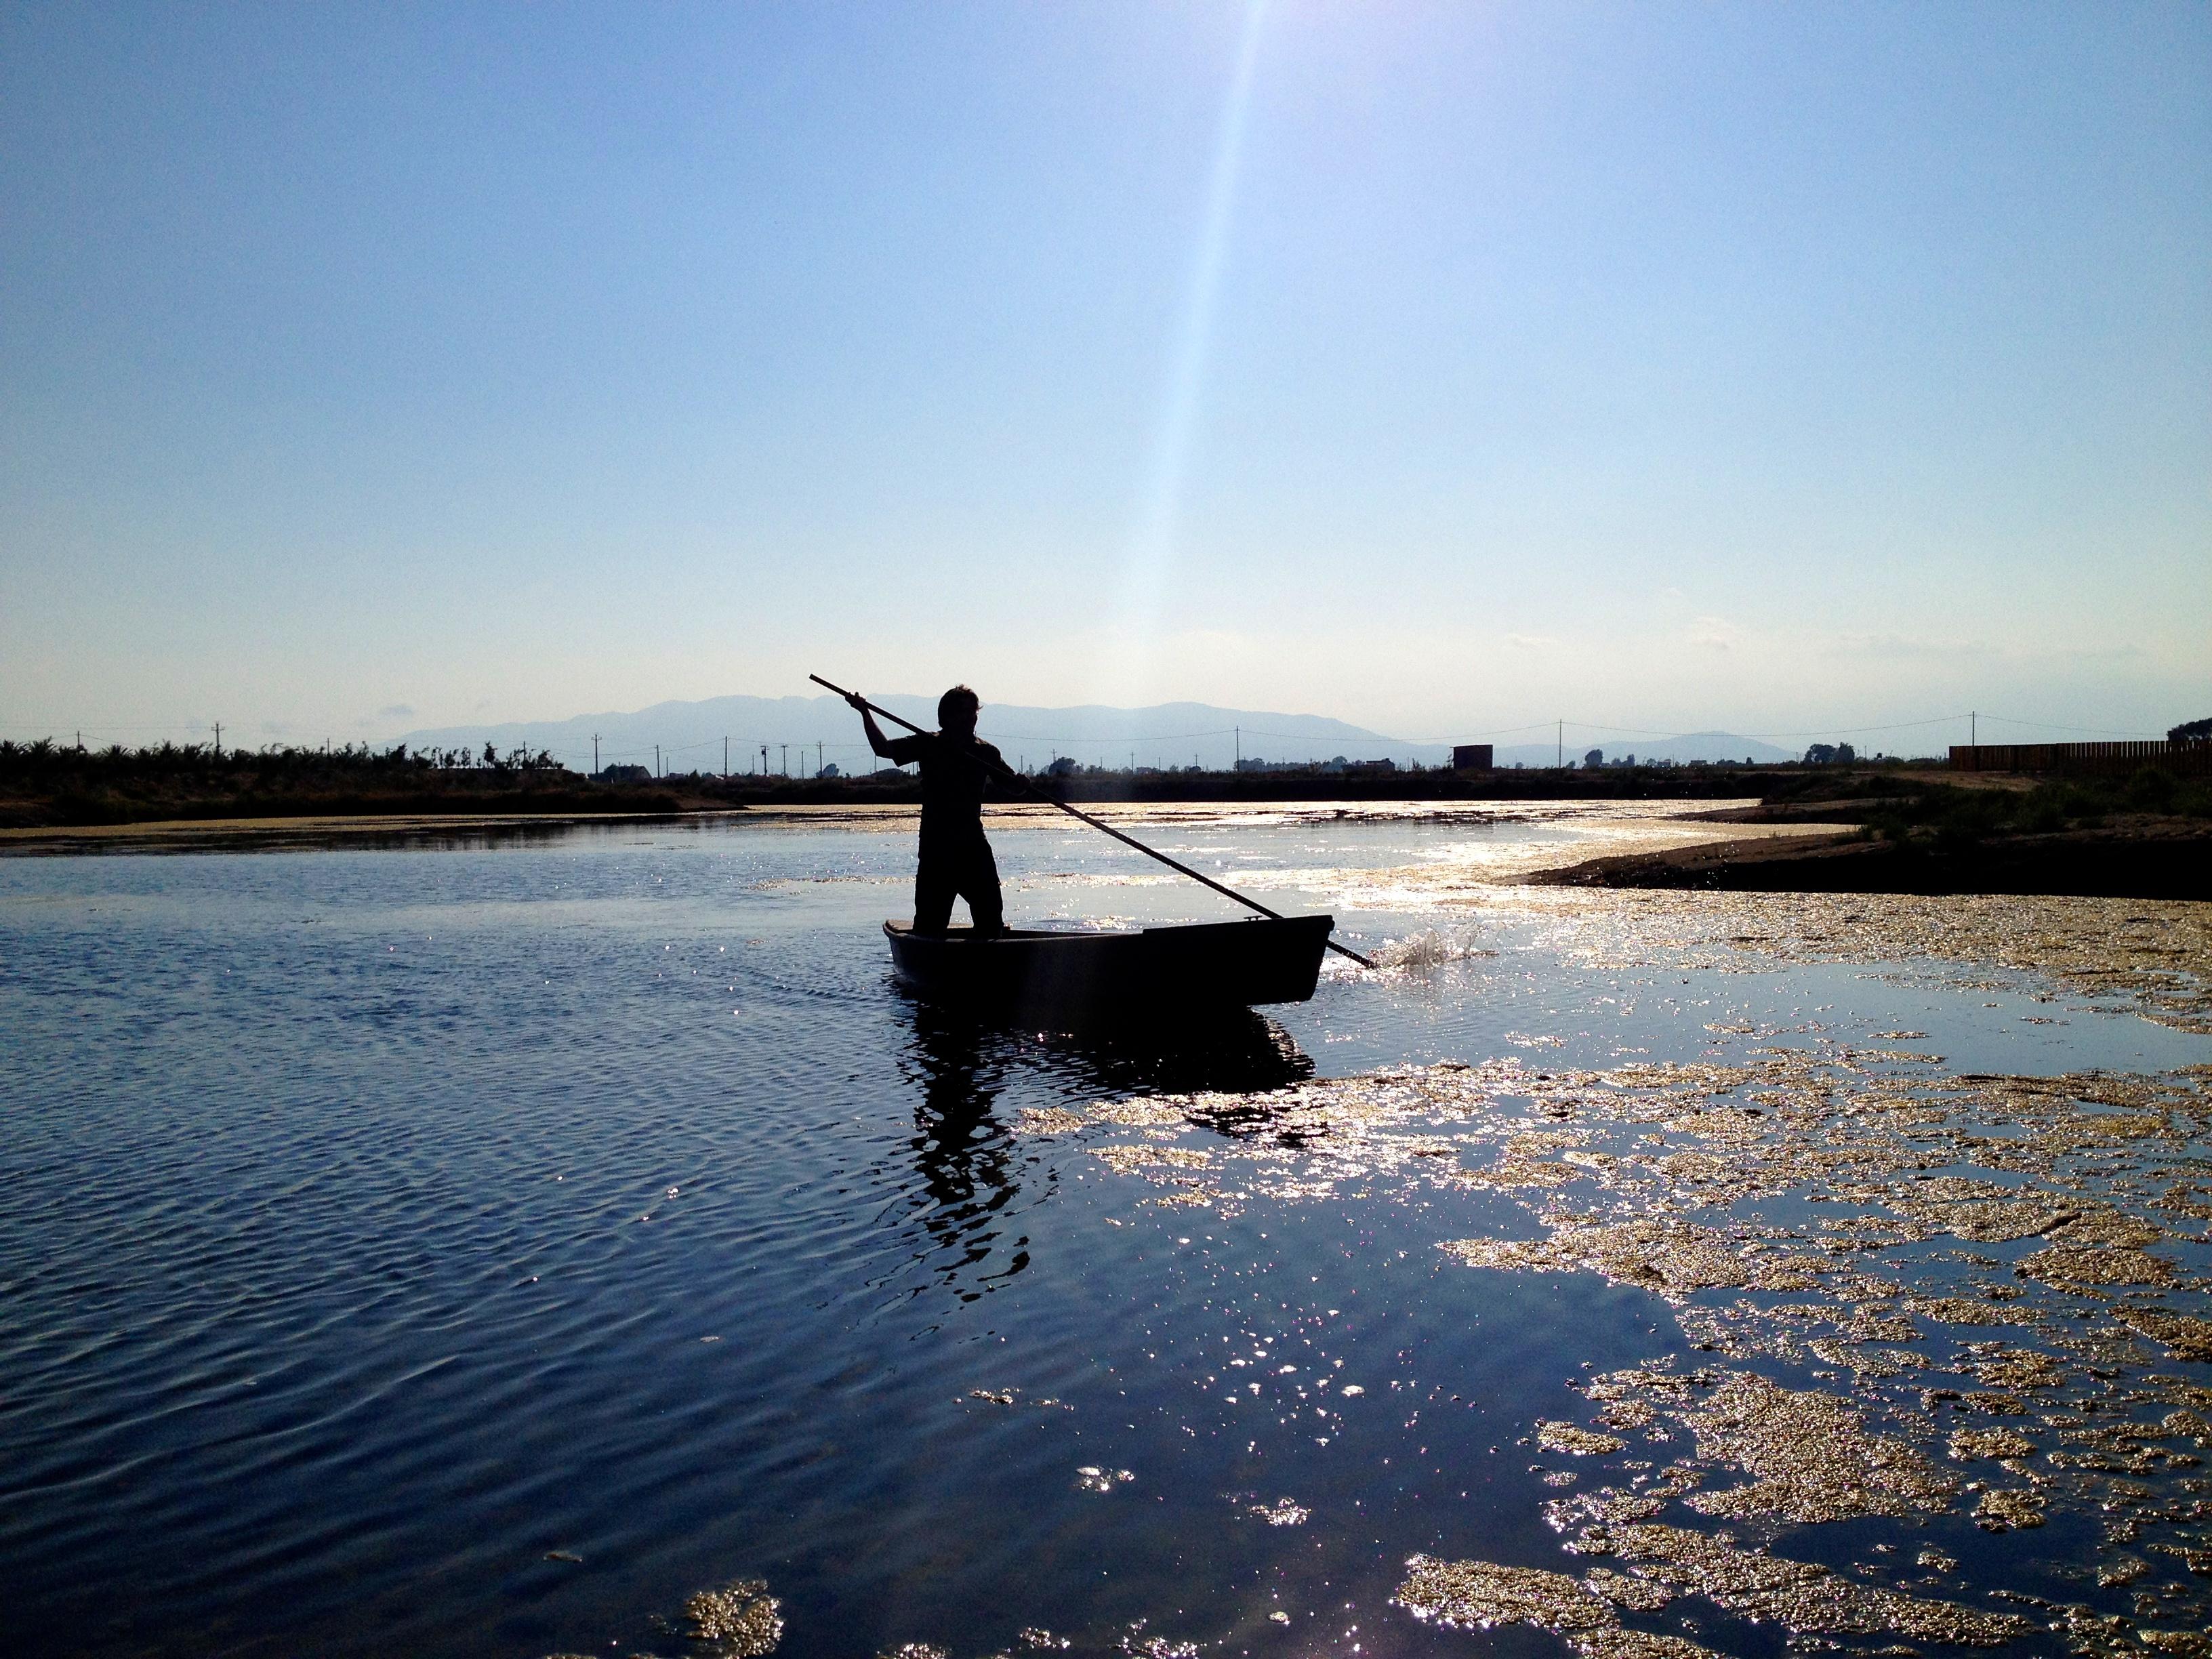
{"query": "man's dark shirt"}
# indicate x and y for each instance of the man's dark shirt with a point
(951, 785)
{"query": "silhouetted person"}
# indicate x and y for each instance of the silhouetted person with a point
(956, 859)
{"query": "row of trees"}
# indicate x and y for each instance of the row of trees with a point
(45, 762)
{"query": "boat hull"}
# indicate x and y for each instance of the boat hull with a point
(1220, 964)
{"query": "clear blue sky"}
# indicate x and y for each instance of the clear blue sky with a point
(1437, 367)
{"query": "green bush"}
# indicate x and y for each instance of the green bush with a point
(2152, 790)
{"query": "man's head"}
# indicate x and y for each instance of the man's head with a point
(956, 710)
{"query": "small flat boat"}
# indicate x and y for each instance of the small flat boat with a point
(1220, 964)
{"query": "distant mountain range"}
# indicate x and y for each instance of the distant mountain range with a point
(795, 730)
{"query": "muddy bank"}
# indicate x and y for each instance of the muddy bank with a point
(294, 834)
(2150, 858)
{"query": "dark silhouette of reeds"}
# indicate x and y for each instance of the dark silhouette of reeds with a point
(46, 783)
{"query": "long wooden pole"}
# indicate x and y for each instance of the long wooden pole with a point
(1007, 775)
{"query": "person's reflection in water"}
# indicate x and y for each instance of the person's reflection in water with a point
(971, 1178)
(963, 1150)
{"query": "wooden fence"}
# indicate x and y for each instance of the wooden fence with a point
(2193, 760)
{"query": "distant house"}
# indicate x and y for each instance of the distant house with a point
(623, 774)
(1471, 758)
(1368, 768)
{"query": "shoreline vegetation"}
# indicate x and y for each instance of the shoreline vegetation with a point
(50, 786)
(1902, 827)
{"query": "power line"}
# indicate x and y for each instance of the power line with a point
(47, 728)
(2045, 725)
(1841, 730)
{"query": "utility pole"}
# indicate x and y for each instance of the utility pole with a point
(595, 751)
(1240, 748)
(656, 760)
(218, 739)
(786, 758)
(763, 760)
(1974, 730)
(1560, 757)
(725, 756)
(817, 757)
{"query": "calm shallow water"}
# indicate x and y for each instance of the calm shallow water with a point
(482, 1248)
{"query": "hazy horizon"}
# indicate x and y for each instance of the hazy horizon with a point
(688, 735)
(1453, 370)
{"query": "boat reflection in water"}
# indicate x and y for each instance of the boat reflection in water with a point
(1046, 975)
(974, 1184)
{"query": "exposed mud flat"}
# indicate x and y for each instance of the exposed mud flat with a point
(2149, 857)
(2153, 956)
(1922, 1294)
(741, 1621)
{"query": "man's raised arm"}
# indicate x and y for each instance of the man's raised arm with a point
(876, 741)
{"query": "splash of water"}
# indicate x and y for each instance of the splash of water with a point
(1425, 951)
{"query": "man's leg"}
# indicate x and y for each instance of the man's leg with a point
(934, 881)
(979, 885)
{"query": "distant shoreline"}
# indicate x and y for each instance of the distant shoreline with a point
(239, 793)
(307, 831)
(276, 832)
(2147, 857)
(1896, 829)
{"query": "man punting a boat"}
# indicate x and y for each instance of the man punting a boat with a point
(956, 859)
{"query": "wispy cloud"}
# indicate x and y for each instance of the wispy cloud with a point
(2099, 653)
(1714, 634)
(397, 711)
(1898, 647)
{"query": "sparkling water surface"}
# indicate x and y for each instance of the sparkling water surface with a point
(480, 1248)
